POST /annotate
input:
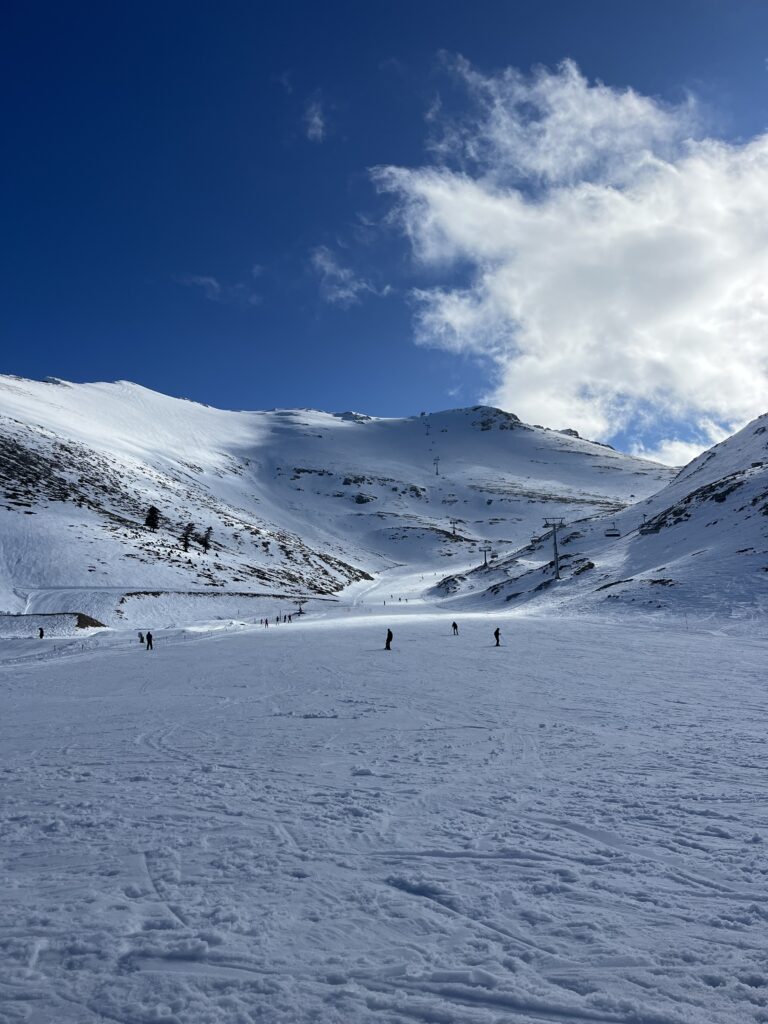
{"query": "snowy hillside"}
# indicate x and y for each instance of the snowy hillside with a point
(700, 544)
(298, 502)
(287, 824)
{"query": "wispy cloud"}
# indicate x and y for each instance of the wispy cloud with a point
(315, 122)
(239, 294)
(285, 78)
(609, 258)
(338, 284)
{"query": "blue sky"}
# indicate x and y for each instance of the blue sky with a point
(190, 202)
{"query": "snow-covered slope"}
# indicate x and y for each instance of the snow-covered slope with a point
(700, 543)
(299, 501)
(291, 826)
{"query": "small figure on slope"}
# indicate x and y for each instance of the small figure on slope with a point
(497, 634)
(455, 629)
(388, 643)
(149, 641)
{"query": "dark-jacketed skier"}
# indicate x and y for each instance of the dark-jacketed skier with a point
(388, 642)
(455, 628)
(497, 634)
(149, 641)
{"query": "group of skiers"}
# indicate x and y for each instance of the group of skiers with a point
(147, 639)
(278, 619)
(455, 628)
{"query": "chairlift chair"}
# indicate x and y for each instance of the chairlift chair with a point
(613, 531)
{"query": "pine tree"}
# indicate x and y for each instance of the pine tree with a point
(186, 536)
(152, 520)
(205, 540)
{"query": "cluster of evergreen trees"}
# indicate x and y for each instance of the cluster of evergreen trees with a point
(152, 521)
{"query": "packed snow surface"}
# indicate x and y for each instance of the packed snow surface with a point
(289, 824)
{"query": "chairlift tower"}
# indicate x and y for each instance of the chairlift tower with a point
(486, 549)
(555, 523)
(454, 523)
(436, 461)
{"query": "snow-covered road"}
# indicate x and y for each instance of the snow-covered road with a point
(291, 825)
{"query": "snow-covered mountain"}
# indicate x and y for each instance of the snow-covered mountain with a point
(299, 502)
(700, 543)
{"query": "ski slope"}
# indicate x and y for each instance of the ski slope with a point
(301, 502)
(289, 825)
(698, 546)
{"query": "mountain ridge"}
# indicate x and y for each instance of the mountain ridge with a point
(699, 544)
(300, 502)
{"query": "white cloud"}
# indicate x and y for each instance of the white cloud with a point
(315, 126)
(612, 264)
(227, 294)
(670, 452)
(674, 452)
(338, 284)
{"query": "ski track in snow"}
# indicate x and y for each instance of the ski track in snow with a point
(292, 825)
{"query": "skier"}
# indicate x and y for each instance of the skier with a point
(388, 644)
(497, 634)
(141, 638)
(41, 632)
(149, 641)
(455, 629)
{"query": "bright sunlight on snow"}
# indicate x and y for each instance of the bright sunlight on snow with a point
(291, 824)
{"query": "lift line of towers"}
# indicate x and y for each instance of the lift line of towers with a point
(553, 523)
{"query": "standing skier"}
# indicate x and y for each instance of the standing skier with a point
(149, 641)
(455, 629)
(141, 638)
(41, 632)
(497, 634)
(388, 643)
